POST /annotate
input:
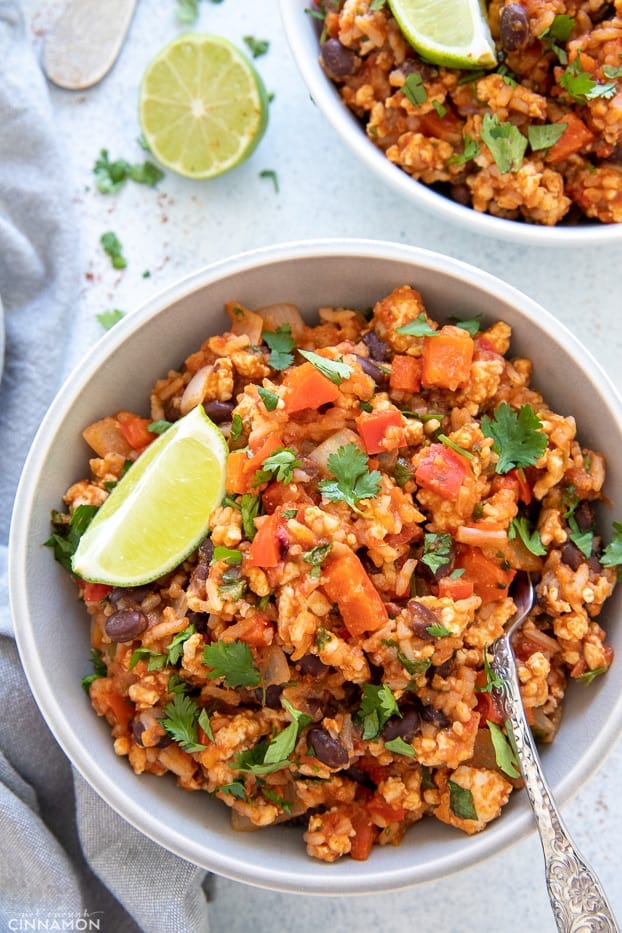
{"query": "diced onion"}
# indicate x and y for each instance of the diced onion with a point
(282, 313)
(196, 390)
(106, 437)
(481, 537)
(330, 446)
(244, 321)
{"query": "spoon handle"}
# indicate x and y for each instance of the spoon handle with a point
(576, 895)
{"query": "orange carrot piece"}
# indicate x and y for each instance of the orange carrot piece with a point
(374, 429)
(405, 373)
(447, 358)
(134, 429)
(490, 579)
(265, 549)
(574, 138)
(308, 388)
(347, 584)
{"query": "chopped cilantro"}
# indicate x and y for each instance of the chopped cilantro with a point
(283, 744)
(469, 151)
(99, 669)
(612, 555)
(414, 89)
(417, 328)
(233, 661)
(156, 660)
(182, 721)
(447, 441)
(231, 555)
(317, 555)
(441, 110)
(589, 676)
(518, 438)
(377, 706)
(520, 527)
(377, 4)
(108, 319)
(237, 427)
(436, 551)
(461, 801)
(559, 31)
(276, 799)
(249, 507)
(402, 472)
(159, 427)
(472, 325)
(546, 135)
(112, 247)
(504, 753)
(279, 466)
(437, 630)
(335, 370)
(583, 540)
(610, 71)
(580, 85)
(281, 343)
(67, 532)
(272, 175)
(493, 681)
(400, 747)
(506, 143)
(353, 480)
(235, 788)
(232, 586)
(110, 176)
(270, 399)
(256, 47)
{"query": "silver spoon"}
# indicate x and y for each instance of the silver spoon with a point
(576, 895)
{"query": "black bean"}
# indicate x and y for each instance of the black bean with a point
(378, 349)
(206, 550)
(461, 194)
(419, 618)
(607, 11)
(514, 27)
(218, 411)
(270, 697)
(125, 624)
(330, 751)
(434, 716)
(370, 369)
(128, 595)
(138, 727)
(571, 555)
(404, 727)
(311, 664)
(584, 515)
(337, 59)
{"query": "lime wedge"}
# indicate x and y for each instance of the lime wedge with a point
(203, 108)
(159, 511)
(454, 33)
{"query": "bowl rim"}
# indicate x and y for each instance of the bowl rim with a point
(344, 123)
(317, 881)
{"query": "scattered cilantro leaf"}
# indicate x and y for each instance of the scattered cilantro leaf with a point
(276, 799)
(377, 706)
(181, 723)
(108, 319)
(518, 437)
(437, 630)
(402, 471)
(493, 681)
(232, 585)
(546, 135)
(111, 176)
(414, 89)
(561, 27)
(376, 4)
(436, 551)
(272, 175)
(67, 531)
(441, 110)
(175, 648)
(417, 328)
(237, 427)
(281, 343)
(99, 670)
(584, 540)
(504, 753)
(612, 555)
(580, 85)
(335, 370)
(233, 661)
(589, 676)
(257, 47)
(235, 788)
(469, 151)
(400, 747)
(520, 527)
(610, 71)
(279, 466)
(506, 143)
(249, 507)
(317, 555)
(472, 325)
(461, 801)
(112, 247)
(283, 744)
(156, 660)
(447, 441)
(231, 555)
(270, 399)
(353, 480)
(159, 426)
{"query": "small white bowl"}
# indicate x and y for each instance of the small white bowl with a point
(303, 36)
(52, 626)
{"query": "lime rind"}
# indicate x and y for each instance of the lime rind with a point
(451, 33)
(202, 114)
(159, 511)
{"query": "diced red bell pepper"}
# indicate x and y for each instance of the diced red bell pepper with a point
(383, 813)
(574, 138)
(266, 548)
(308, 388)
(365, 834)
(347, 584)
(490, 578)
(94, 592)
(442, 470)
(381, 430)
(447, 358)
(241, 468)
(134, 429)
(455, 589)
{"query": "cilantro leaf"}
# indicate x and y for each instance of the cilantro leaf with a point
(353, 480)
(281, 343)
(111, 176)
(175, 648)
(279, 466)
(436, 630)
(546, 135)
(274, 178)
(400, 747)
(436, 551)
(233, 661)
(112, 247)
(256, 47)
(581, 86)
(156, 660)
(504, 753)
(417, 328)
(469, 151)
(493, 681)
(108, 319)
(471, 325)
(461, 801)
(610, 71)
(99, 669)
(159, 426)
(612, 555)
(181, 723)
(237, 426)
(377, 706)
(283, 744)
(518, 438)
(270, 399)
(414, 89)
(231, 555)
(520, 527)
(67, 532)
(506, 143)
(335, 370)
(583, 540)
(589, 676)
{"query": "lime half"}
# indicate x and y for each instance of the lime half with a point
(159, 511)
(203, 107)
(454, 33)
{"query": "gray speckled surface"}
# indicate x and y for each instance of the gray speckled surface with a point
(171, 231)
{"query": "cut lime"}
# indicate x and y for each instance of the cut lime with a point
(203, 107)
(454, 33)
(159, 511)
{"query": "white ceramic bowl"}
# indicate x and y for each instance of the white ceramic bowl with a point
(302, 32)
(52, 627)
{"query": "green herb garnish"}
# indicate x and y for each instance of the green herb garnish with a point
(335, 370)
(112, 247)
(461, 801)
(281, 343)
(353, 480)
(233, 661)
(506, 143)
(518, 438)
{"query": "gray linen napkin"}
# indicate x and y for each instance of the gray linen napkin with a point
(67, 861)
